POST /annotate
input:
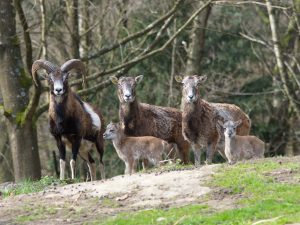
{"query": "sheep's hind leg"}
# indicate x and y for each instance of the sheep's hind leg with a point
(100, 149)
(86, 156)
(145, 164)
(92, 167)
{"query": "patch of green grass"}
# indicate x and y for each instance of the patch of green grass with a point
(29, 186)
(169, 166)
(265, 199)
(251, 180)
(107, 202)
(156, 216)
(36, 213)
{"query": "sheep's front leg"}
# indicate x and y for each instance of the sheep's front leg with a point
(133, 168)
(209, 154)
(211, 148)
(197, 154)
(127, 169)
(129, 165)
(62, 156)
(75, 148)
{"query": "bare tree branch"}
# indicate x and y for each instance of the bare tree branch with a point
(234, 2)
(292, 73)
(254, 39)
(127, 65)
(140, 58)
(135, 35)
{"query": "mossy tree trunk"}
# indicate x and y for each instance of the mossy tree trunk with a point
(14, 85)
(6, 170)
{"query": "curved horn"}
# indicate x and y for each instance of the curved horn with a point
(41, 64)
(73, 64)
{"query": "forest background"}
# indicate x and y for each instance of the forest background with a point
(248, 49)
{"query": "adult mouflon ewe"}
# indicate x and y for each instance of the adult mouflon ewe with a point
(70, 117)
(141, 119)
(199, 118)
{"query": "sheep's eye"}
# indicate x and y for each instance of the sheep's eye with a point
(111, 130)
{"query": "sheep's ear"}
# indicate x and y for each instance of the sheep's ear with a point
(237, 123)
(139, 78)
(201, 79)
(220, 127)
(114, 79)
(220, 124)
(179, 78)
(121, 125)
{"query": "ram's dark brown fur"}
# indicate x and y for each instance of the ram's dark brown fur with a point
(69, 116)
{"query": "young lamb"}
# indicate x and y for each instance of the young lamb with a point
(131, 149)
(199, 118)
(70, 117)
(240, 147)
(142, 119)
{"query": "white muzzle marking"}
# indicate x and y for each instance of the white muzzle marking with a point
(58, 87)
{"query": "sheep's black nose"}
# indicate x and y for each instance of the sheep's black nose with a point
(191, 96)
(127, 95)
(58, 90)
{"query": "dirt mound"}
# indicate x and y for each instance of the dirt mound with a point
(80, 202)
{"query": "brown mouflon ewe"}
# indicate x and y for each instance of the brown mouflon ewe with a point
(131, 149)
(70, 117)
(199, 118)
(240, 147)
(141, 119)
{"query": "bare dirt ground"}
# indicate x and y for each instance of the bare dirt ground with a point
(83, 202)
(87, 202)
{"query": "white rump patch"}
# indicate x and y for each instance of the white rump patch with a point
(94, 116)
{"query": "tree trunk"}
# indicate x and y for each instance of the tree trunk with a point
(197, 41)
(72, 10)
(286, 85)
(84, 26)
(14, 85)
(6, 170)
(173, 64)
(43, 30)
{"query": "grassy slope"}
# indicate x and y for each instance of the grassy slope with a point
(262, 198)
(29, 186)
